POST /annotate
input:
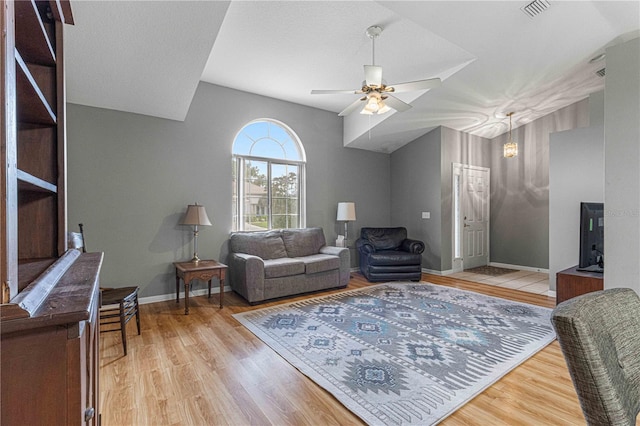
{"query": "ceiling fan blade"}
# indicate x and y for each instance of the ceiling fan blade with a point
(373, 75)
(396, 103)
(348, 110)
(334, 92)
(416, 85)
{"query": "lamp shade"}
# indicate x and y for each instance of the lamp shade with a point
(346, 211)
(196, 215)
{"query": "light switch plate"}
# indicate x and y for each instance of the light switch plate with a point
(426, 215)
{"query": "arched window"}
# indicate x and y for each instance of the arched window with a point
(268, 177)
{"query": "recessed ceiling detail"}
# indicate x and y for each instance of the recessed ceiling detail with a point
(147, 57)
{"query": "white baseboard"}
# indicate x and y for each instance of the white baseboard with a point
(434, 272)
(172, 296)
(519, 267)
(216, 289)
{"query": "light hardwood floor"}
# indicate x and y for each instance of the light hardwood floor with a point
(207, 369)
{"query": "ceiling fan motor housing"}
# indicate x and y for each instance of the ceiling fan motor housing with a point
(374, 31)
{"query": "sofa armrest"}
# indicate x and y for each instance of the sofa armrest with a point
(345, 261)
(246, 275)
(335, 251)
(412, 246)
(364, 246)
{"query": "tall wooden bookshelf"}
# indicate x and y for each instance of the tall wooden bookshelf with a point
(33, 139)
(49, 326)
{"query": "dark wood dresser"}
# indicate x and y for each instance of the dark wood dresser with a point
(571, 283)
(50, 346)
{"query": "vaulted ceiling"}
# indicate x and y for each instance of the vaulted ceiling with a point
(147, 57)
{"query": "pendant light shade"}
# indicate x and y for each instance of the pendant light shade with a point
(511, 147)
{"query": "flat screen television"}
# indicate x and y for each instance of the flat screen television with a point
(591, 237)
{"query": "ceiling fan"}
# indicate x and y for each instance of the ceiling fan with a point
(378, 98)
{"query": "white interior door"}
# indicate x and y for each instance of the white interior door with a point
(471, 216)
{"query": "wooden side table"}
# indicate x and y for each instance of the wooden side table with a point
(203, 270)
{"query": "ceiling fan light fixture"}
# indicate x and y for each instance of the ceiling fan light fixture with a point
(383, 108)
(375, 105)
(367, 110)
(371, 107)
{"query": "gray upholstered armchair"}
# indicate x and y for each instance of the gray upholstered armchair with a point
(599, 334)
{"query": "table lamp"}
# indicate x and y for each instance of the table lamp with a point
(195, 216)
(346, 213)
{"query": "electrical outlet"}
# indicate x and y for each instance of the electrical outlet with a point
(426, 215)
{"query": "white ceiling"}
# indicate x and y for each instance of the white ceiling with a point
(148, 56)
(139, 56)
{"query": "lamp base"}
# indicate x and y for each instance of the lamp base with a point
(195, 259)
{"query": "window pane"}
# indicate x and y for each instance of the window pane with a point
(255, 196)
(234, 193)
(269, 148)
(284, 195)
(242, 144)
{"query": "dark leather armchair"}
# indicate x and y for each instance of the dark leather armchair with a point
(386, 254)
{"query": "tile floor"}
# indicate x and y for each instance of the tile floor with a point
(532, 282)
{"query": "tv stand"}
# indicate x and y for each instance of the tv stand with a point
(592, 268)
(571, 283)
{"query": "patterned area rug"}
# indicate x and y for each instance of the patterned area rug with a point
(403, 353)
(492, 271)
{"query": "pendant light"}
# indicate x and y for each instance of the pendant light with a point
(511, 147)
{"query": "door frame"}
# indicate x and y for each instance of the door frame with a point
(457, 169)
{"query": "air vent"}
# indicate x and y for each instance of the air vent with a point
(600, 72)
(535, 8)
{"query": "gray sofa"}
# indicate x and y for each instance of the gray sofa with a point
(273, 264)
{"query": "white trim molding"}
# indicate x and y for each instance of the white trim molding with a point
(521, 268)
(172, 296)
(434, 272)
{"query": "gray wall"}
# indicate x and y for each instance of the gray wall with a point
(130, 178)
(519, 204)
(576, 174)
(421, 182)
(415, 188)
(520, 189)
(622, 166)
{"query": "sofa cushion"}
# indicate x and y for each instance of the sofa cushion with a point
(266, 245)
(303, 242)
(320, 263)
(384, 238)
(283, 267)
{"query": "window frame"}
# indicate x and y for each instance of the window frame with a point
(240, 160)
